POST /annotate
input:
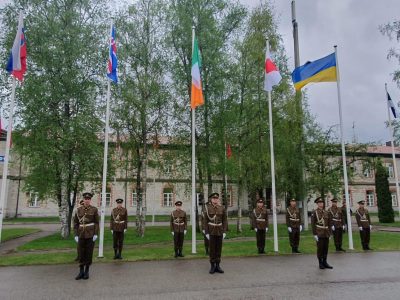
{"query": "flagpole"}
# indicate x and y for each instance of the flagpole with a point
(3, 195)
(193, 210)
(393, 152)
(346, 184)
(271, 144)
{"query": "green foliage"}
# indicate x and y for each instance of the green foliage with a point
(13, 233)
(384, 198)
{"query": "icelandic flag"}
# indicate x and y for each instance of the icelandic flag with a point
(112, 59)
(391, 105)
(16, 65)
(272, 75)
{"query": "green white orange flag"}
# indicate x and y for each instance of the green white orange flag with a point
(197, 92)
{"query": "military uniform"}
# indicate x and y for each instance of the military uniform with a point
(321, 226)
(259, 222)
(293, 222)
(364, 225)
(206, 241)
(215, 225)
(178, 225)
(118, 227)
(86, 228)
(336, 215)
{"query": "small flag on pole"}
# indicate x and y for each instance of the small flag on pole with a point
(112, 59)
(272, 75)
(228, 151)
(391, 105)
(197, 91)
(321, 70)
(16, 65)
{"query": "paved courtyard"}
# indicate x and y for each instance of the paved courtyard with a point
(355, 276)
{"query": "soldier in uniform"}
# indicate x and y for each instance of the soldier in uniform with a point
(215, 224)
(77, 246)
(206, 241)
(364, 224)
(118, 227)
(178, 224)
(321, 226)
(337, 227)
(293, 222)
(259, 222)
(344, 214)
(86, 228)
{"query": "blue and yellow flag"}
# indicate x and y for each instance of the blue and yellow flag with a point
(321, 70)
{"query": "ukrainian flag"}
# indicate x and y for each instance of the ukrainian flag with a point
(321, 70)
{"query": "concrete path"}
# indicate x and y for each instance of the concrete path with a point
(355, 276)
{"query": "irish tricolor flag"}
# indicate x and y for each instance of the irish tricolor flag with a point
(197, 92)
(272, 75)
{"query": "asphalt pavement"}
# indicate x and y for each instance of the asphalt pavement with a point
(370, 275)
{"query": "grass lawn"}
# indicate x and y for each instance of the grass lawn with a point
(158, 245)
(395, 224)
(13, 233)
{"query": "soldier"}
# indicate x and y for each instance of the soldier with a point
(337, 224)
(321, 225)
(178, 223)
(259, 222)
(215, 225)
(293, 222)
(206, 241)
(344, 214)
(86, 228)
(77, 246)
(118, 227)
(364, 224)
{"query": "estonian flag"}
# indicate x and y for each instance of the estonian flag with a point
(391, 105)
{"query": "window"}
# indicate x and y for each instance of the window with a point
(367, 173)
(168, 194)
(108, 198)
(229, 196)
(33, 199)
(134, 198)
(390, 170)
(350, 198)
(370, 198)
(394, 199)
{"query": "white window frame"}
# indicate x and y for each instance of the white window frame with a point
(108, 199)
(367, 173)
(390, 170)
(394, 200)
(370, 198)
(35, 197)
(168, 198)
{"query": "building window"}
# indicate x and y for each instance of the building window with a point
(390, 170)
(134, 198)
(370, 198)
(229, 196)
(33, 199)
(350, 198)
(394, 200)
(108, 198)
(168, 195)
(367, 173)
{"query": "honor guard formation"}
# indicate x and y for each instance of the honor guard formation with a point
(325, 223)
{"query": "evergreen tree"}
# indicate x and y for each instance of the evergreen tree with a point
(384, 199)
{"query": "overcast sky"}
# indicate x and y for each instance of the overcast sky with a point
(362, 52)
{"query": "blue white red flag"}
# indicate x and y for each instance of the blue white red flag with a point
(16, 65)
(112, 59)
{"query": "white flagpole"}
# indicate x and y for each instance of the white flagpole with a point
(346, 184)
(393, 152)
(3, 195)
(193, 210)
(271, 143)
(104, 184)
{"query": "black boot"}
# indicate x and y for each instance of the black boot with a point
(262, 251)
(86, 274)
(296, 250)
(218, 269)
(293, 250)
(80, 275)
(176, 253)
(119, 254)
(259, 250)
(206, 251)
(180, 253)
(321, 264)
(212, 269)
(326, 265)
(341, 249)
(115, 254)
